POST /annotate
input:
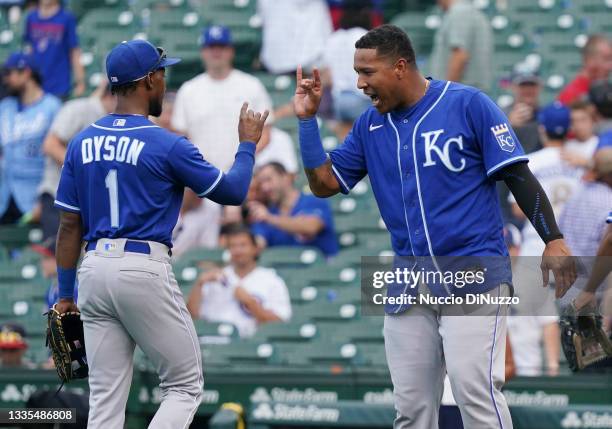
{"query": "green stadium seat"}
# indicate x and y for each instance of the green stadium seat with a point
(314, 353)
(363, 221)
(331, 311)
(371, 355)
(239, 353)
(12, 236)
(215, 332)
(291, 256)
(285, 332)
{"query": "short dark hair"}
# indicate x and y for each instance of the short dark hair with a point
(590, 47)
(276, 166)
(580, 105)
(239, 229)
(36, 77)
(125, 89)
(388, 40)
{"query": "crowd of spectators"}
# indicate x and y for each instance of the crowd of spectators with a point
(566, 142)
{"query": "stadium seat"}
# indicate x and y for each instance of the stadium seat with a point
(285, 332)
(319, 311)
(291, 256)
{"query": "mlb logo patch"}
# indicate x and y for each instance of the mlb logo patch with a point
(119, 123)
(503, 137)
(114, 79)
(109, 247)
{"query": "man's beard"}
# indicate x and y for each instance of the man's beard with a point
(155, 108)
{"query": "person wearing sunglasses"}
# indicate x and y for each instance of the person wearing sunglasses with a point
(120, 191)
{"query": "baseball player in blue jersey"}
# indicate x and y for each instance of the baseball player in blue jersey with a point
(433, 151)
(120, 191)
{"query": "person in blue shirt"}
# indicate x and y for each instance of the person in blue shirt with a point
(290, 217)
(51, 35)
(25, 117)
(433, 151)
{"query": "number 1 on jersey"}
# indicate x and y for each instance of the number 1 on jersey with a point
(113, 196)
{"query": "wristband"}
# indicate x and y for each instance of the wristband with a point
(552, 237)
(66, 279)
(311, 148)
(247, 147)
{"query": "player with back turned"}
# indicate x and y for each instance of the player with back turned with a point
(120, 191)
(433, 150)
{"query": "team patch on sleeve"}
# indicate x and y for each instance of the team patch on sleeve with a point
(503, 137)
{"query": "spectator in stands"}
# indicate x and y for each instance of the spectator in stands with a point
(349, 102)
(288, 217)
(25, 117)
(463, 45)
(74, 116)
(205, 106)
(48, 266)
(51, 34)
(523, 112)
(583, 219)
(281, 149)
(596, 66)
(295, 33)
(579, 150)
(13, 347)
(242, 293)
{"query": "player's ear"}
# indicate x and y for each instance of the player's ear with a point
(401, 67)
(149, 81)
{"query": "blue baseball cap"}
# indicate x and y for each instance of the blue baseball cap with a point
(555, 118)
(131, 61)
(20, 61)
(216, 35)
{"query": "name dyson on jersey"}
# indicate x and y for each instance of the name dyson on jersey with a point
(109, 148)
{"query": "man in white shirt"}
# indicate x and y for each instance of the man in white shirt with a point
(205, 105)
(294, 33)
(242, 293)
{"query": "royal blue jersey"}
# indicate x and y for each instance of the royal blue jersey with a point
(126, 176)
(306, 205)
(432, 169)
(52, 39)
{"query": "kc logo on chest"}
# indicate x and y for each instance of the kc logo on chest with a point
(442, 151)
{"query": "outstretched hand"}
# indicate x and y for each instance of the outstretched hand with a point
(308, 94)
(251, 124)
(558, 258)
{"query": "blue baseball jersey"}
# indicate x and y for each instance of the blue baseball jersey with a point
(52, 39)
(22, 161)
(432, 169)
(306, 205)
(126, 176)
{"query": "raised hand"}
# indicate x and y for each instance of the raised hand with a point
(251, 124)
(307, 94)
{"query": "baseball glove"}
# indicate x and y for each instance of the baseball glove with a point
(67, 343)
(584, 342)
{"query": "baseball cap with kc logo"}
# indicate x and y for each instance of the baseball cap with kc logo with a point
(131, 61)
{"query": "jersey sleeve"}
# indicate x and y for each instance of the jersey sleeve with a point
(67, 197)
(609, 218)
(318, 208)
(190, 169)
(348, 160)
(498, 142)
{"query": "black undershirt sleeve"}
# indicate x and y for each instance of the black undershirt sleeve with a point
(532, 199)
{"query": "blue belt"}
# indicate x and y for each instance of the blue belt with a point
(130, 246)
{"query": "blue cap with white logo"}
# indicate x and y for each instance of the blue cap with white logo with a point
(133, 60)
(555, 118)
(216, 35)
(20, 61)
